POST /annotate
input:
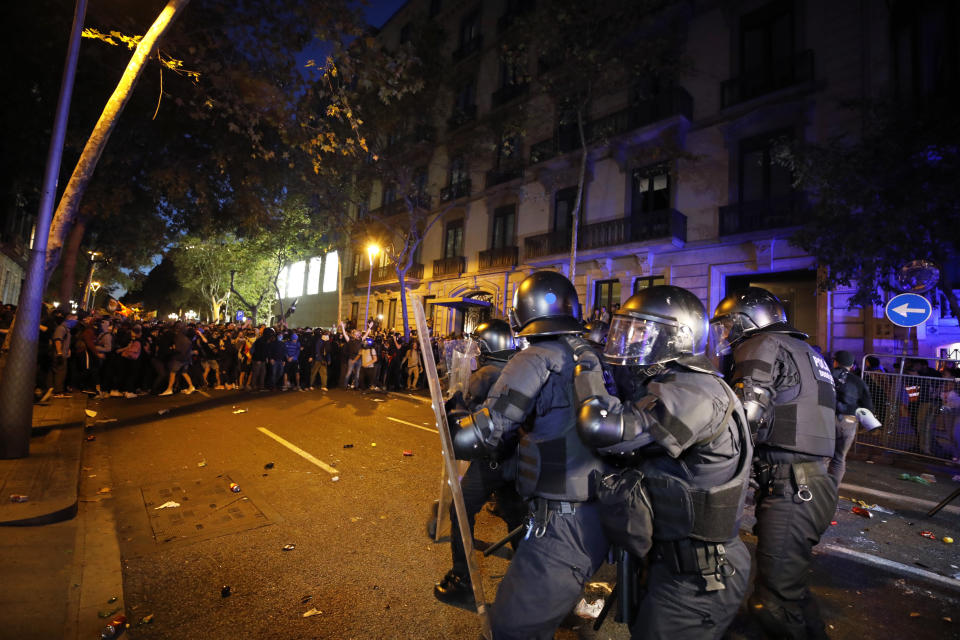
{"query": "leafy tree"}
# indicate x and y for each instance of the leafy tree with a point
(883, 199)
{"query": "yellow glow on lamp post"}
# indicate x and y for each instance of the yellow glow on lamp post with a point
(372, 250)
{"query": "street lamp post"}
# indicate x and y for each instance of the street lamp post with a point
(86, 290)
(94, 287)
(372, 250)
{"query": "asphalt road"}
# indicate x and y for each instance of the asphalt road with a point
(356, 516)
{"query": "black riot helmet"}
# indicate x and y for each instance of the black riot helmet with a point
(495, 340)
(744, 313)
(657, 325)
(545, 304)
(596, 331)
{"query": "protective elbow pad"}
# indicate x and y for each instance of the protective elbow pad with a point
(598, 427)
(588, 382)
(757, 405)
(469, 442)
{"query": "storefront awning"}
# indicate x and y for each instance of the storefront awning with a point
(459, 302)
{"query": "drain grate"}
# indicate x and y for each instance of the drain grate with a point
(207, 508)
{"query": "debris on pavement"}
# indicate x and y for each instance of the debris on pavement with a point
(833, 522)
(860, 511)
(107, 614)
(114, 628)
(947, 539)
(589, 610)
(106, 420)
(917, 479)
(147, 619)
(234, 487)
(878, 509)
(929, 477)
(335, 479)
(306, 599)
(269, 465)
(928, 534)
(163, 412)
(90, 413)
(355, 518)
(103, 490)
(311, 612)
(225, 591)
(236, 411)
(373, 444)
(19, 497)
(112, 599)
(348, 446)
(407, 452)
(914, 614)
(202, 463)
(91, 438)
(289, 547)
(170, 504)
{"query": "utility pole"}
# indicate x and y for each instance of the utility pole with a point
(16, 392)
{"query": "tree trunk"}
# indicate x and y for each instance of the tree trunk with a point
(70, 201)
(402, 276)
(68, 275)
(215, 308)
(576, 205)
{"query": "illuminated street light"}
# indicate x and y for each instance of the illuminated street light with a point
(86, 291)
(94, 287)
(372, 250)
(172, 316)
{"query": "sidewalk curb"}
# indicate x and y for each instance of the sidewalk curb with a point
(890, 565)
(49, 476)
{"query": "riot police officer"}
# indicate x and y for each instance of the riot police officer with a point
(484, 477)
(788, 396)
(681, 434)
(565, 544)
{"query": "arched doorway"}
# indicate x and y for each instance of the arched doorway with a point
(476, 313)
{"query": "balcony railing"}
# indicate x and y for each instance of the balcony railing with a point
(467, 48)
(761, 215)
(508, 92)
(639, 227)
(497, 176)
(452, 266)
(660, 107)
(461, 116)
(456, 190)
(499, 258)
(776, 74)
(399, 205)
(381, 275)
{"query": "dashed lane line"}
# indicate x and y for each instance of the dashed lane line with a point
(300, 452)
(410, 424)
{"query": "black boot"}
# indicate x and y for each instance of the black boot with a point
(454, 589)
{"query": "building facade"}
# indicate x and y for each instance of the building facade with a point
(714, 218)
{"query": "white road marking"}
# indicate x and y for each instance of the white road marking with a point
(410, 424)
(300, 452)
(926, 504)
(888, 564)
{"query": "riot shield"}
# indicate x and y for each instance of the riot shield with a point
(450, 464)
(464, 361)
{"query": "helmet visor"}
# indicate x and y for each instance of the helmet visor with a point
(632, 341)
(727, 331)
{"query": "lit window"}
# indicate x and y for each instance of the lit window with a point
(295, 283)
(330, 274)
(313, 281)
(282, 280)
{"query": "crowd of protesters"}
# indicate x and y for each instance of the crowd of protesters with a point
(111, 356)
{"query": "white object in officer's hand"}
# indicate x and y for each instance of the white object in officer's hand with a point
(867, 420)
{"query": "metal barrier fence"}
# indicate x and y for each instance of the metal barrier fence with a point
(918, 402)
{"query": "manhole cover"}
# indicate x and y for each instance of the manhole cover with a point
(207, 508)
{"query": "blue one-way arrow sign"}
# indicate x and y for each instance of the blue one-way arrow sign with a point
(908, 310)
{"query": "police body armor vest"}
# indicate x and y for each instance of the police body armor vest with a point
(553, 462)
(804, 415)
(683, 504)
